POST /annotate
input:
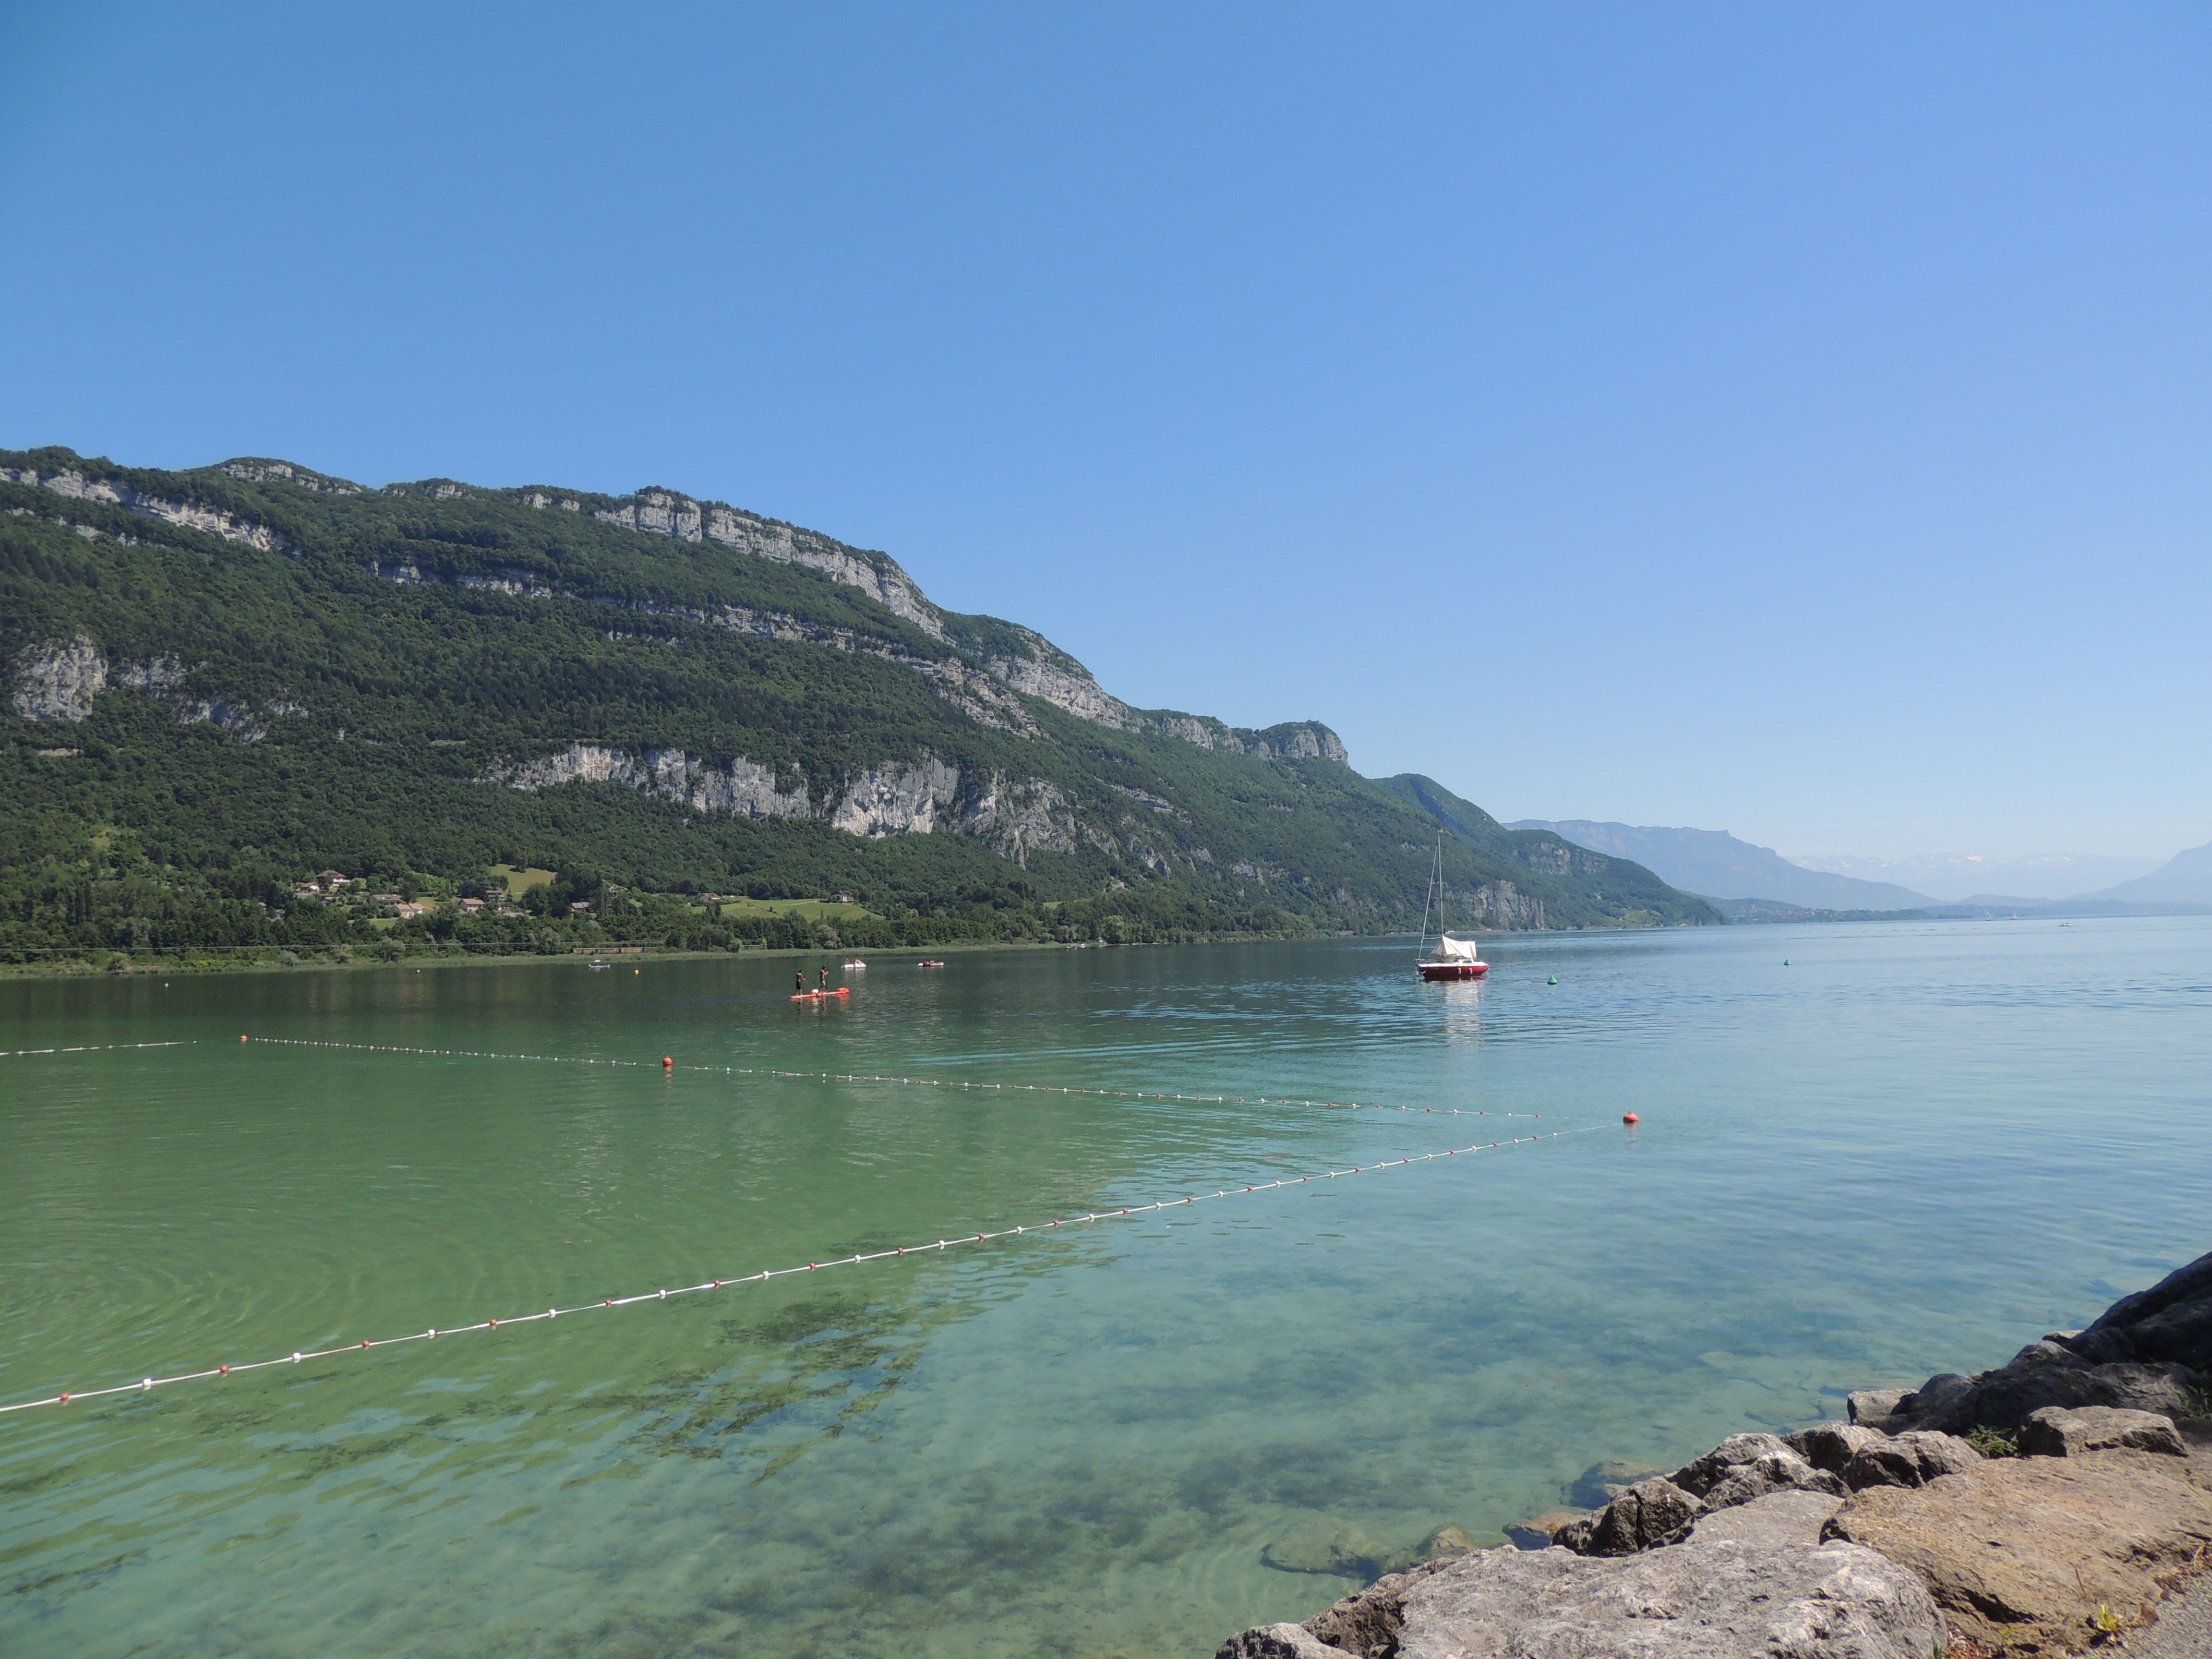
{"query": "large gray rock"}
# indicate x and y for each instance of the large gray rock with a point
(2054, 1432)
(1705, 1599)
(1650, 1513)
(1782, 1517)
(1747, 1465)
(2023, 1552)
(1367, 1624)
(1279, 1642)
(1829, 1446)
(1912, 1459)
(2045, 1373)
(2170, 1322)
(1874, 1407)
(2148, 1352)
(1701, 1475)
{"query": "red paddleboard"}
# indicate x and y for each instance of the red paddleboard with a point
(816, 996)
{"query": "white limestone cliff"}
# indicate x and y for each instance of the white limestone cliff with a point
(926, 797)
(191, 515)
(58, 681)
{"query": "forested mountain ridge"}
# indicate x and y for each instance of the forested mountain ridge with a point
(220, 680)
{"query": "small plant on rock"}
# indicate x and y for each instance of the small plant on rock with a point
(1991, 1443)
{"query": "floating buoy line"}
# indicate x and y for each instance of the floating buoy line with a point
(96, 1047)
(668, 1064)
(147, 1385)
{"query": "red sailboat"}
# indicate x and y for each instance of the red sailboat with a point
(1455, 957)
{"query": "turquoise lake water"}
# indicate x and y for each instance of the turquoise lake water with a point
(1915, 1148)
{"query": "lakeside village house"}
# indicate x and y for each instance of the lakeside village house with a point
(332, 883)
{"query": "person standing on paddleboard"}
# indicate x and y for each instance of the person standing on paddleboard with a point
(825, 978)
(798, 982)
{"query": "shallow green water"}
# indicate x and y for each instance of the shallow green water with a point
(1913, 1149)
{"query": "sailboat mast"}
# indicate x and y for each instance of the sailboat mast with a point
(1434, 894)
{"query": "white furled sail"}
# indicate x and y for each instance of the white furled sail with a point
(1457, 949)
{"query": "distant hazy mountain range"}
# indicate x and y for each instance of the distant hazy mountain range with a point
(2184, 879)
(1716, 865)
(1957, 879)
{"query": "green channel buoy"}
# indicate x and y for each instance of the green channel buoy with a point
(1785, 962)
(1555, 979)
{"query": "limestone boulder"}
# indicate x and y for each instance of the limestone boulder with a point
(1279, 1642)
(2023, 1552)
(1782, 1517)
(1649, 1514)
(1745, 1466)
(1829, 1446)
(2054, 1432)
(1875, 1408)
(1701, 1475)
(2170, 1322)
(1912, 1459)
(1703, 1599)
(1367, 1625)
(2004, 1399)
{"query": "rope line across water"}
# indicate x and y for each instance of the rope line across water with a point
(96, 1047)
(871, 1077)
(147, 1385)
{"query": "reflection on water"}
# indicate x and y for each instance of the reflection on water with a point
(1085, 1444)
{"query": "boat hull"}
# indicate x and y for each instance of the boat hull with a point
(1453, 969)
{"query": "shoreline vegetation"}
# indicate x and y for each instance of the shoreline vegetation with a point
(93, 960)
(2059, 1504)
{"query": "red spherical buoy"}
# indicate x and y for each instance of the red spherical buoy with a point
(668, 1061)
(241, 1037)
(1630, 1117)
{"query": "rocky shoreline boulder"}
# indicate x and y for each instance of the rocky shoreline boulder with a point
(2151, 1351)
(2041, 1554)
(2055, 1433)
(1890, 1537)
(1774, 1590)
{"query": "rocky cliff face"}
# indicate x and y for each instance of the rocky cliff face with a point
(979, 689)
(1035, 668)
(74, 485)
(926, 798)
(663, 513)
(740, 789)
(58, 681)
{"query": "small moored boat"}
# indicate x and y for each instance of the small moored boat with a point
(1453, 957)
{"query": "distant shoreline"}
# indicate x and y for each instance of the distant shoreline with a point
(262, 959)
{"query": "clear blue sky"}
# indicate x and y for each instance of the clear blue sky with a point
(1792, 419)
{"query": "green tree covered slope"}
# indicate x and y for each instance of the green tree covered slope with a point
(222, 681)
